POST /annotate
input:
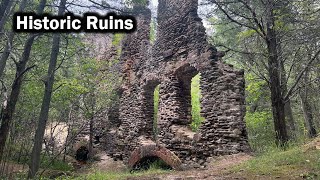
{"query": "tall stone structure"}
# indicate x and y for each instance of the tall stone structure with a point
(179, 53)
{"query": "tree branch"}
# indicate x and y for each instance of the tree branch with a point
(25, 71)
(301, 74)
(235, 21)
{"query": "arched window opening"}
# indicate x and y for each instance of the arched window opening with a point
(197, 119)
(156, 108)
(150, 107)
(190, 95)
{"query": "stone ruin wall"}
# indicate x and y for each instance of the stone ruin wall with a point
(132, 111)
(179, 53)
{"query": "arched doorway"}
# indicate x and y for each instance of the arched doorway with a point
(148, 162)
(189, 95)
(147, 154)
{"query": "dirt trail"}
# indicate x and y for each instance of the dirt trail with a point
(107, 164)
(218, 169)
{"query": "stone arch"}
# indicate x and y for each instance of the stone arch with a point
(153, 150)
(186, 71)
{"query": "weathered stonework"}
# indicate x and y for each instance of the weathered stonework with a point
(153, 150)
(179, 53)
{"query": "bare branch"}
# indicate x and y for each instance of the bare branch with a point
(235, 21)
(301, 74)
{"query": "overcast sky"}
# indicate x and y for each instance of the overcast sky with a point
(117, 3)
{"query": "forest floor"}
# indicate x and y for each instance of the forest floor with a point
(218, 169)
(109, 169)
(297, 162)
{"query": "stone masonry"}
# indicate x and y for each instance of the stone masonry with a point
(179, 53)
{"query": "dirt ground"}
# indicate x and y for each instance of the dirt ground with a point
(218, 169)
(106, 163)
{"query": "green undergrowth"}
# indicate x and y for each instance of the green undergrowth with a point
(156, 168)
(295, 162)
(119, 176)
(57, 164)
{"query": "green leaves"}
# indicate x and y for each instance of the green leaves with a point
(197, 119)
(254, 88)
(156, 107)
(258, 115)
(246, 34)
(153, 27)
(116, 41)
(117, 38)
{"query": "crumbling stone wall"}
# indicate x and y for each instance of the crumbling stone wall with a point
(179, 53)
(134, 99)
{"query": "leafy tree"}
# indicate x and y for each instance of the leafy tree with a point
(21, 69)
(262, 28)
(43, 117)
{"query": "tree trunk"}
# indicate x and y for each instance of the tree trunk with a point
(287, 107)
(3, 6)
(6, 52)
(36, 150)
(5, 55)
(307, 108)
(308, 116)
(3, 20)
(316, 114)
(7, 111)
(290, 118)
(91, 138)
(278, 113)
(277, 101)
